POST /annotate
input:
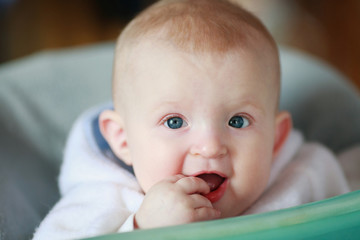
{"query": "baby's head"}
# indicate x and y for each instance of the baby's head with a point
(195, 89)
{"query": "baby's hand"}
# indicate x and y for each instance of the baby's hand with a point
(175, 200)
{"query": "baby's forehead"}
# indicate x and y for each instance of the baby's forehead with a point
(167, 75)
(148, 90)
(146, 60)
(258, 52)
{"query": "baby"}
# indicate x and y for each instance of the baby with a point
(195, 94)
(196, 88)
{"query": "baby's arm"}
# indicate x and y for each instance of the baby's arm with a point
(87, 210)
(175, 200)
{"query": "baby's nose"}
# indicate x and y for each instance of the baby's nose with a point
(209, 146)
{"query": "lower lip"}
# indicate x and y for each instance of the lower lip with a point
(216, 195)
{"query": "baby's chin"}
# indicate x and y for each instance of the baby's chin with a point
(233, 208)
(229, 213)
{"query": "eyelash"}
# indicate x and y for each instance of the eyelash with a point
(167, 117)
(247, 116)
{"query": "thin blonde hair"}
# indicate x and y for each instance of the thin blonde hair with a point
(195, 25)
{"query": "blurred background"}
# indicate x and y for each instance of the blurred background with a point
(327, 29)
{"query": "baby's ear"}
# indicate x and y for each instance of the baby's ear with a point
(283, 126)
(112, 129)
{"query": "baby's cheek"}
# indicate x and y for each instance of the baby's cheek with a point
(152, 174)
(160, 160)
(256, 172)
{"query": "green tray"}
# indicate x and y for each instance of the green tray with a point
(333, 218)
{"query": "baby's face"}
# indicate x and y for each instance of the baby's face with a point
(208, 115)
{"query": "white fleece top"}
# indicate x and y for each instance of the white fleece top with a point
(100, 197)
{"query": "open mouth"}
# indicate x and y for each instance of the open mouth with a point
(217, 186)
(213, 180)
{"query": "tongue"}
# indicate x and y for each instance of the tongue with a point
(213, 180)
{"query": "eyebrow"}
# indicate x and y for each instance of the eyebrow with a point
(164, 104)
(249, 103)
(233, 103)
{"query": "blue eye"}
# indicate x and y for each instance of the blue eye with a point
(174, 122)
(238, 122)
